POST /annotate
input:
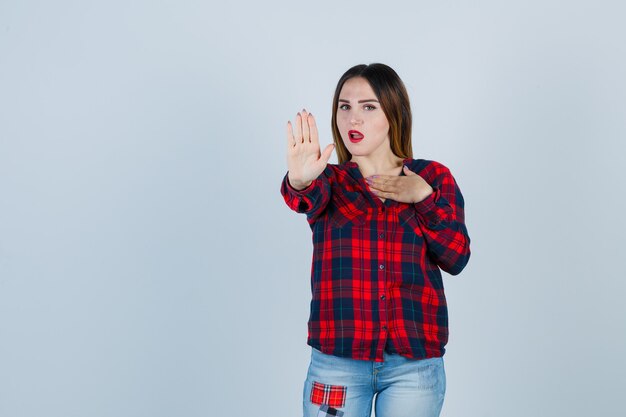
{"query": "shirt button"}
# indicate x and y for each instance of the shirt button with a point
(382, 297)
(381, 266)
(384, 327)
(382, 235)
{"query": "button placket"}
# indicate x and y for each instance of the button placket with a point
(382, 225)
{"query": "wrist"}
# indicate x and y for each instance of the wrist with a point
(424, 196)
(298, 185)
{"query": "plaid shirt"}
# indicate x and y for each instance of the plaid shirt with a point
(375, 277)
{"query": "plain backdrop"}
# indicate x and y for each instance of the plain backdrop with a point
(149, 266)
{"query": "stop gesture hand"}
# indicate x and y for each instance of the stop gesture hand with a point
(304, 159)
(408, 189)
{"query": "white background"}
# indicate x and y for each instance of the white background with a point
(149, 266)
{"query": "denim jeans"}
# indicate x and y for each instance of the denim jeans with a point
(402, 387)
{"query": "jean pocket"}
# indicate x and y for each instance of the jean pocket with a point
(327, 394)
(429, 373)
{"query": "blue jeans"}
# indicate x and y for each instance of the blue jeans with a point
(345, 387)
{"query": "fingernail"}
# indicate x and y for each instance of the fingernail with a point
(310, 114)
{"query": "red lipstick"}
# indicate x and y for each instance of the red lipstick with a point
(355, 136)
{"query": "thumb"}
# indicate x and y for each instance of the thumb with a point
(327, 152)
(407, 171)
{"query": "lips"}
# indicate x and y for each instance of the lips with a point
(355, 136)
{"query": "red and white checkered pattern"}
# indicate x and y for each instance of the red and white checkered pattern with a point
(332, 395)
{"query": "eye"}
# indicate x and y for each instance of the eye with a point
(369, 107)
(344, 107)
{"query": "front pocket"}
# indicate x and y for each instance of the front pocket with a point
(326, 394)
(348, 208)
(409, 220)
(428, 374)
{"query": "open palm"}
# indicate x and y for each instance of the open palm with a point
(304, 159)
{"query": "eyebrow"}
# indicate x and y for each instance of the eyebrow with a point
(360, 101)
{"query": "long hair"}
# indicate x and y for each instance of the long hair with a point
(394, 101)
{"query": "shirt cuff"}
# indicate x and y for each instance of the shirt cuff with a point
(294, 191)
(433, 210)
(301, 201)
(428, 204)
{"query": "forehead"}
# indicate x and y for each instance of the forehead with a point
(356, 88)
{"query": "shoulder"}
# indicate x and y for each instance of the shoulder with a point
(333, 168)
(336, 172)
(427, 168)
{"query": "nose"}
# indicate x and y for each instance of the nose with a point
(356, 121)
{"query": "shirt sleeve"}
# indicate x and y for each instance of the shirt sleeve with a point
(312, 200)
(442, 221)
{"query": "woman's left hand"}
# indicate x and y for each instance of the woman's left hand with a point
(408, 189)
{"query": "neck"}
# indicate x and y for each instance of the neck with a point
(382, 165)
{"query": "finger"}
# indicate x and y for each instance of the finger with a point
(327, 152)
(378, 181)
(391, 185)
(291, 142)
(298, 135)
(305, 126)
(384, 194)
(313, 129)
(378, 187)
(407, 171)
(387, 187)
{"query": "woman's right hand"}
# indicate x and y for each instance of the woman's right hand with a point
(303, 152)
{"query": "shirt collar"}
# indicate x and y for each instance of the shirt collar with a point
(351, 164)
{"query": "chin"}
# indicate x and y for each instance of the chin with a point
(351, 149)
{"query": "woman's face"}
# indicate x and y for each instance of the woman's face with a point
(360, 119)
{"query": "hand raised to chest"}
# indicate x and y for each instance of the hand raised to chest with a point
(410, 188)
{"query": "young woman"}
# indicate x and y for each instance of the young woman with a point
(384, 225)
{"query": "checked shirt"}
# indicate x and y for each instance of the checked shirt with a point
(376, 279)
